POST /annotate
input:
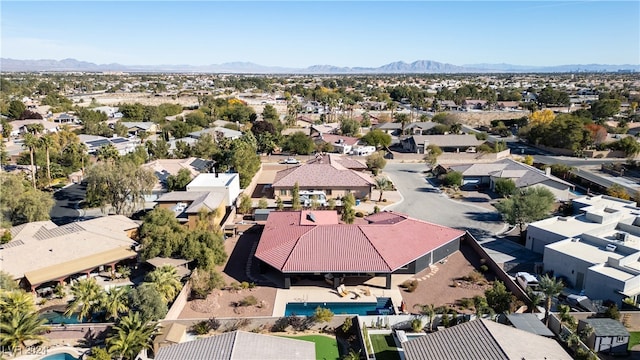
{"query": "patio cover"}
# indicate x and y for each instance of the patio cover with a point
(62, 270)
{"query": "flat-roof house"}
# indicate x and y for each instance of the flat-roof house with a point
(523, 175)
(42, 252)
(123, 145)
(239, 345)
(308, 243)
(225, 183)
(597, 251)
(609, 335)
(323, 175)
(481, 340)
(187, 205)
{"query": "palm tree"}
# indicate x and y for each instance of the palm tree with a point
(115, 302)
(107, 153)
(20, 327)
(536, 299)
(17, 300)
(87, 295)
(382, 184)
(130, 336)
(550, 287)
(31, 142)
(47, 142)
(429, 311)
(167, 281)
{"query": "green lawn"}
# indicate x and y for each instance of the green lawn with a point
(634, 339)
(384, 347)
(326, 347)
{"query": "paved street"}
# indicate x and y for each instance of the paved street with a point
(64, 210)
(422, 201)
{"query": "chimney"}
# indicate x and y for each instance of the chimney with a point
(547, 171)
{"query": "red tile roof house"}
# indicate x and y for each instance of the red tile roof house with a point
(302, 243)
(329, 176)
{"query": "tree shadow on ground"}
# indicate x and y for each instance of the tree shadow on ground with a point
(492, 217)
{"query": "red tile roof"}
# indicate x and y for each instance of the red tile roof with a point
(321, 176)
(291, 243)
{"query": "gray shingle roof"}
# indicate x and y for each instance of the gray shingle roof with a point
(240, 345)
(529, 323)
(481, 340)
(607, 327)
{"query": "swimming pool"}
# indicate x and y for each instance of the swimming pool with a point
(382, 307)
(60, 356)
(55, 317)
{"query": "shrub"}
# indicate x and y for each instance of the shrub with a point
(201, 327)
(359, 214)
(453, 178)
(484, 268)
(416, 325)
(410, 285)
(466, 303)
(474, 276)
(322, 315)
(244, 285)
(346, 325)
(376, 209)
(248, 301)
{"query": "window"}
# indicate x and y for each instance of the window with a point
(620, 339)
(327, 191)
(283, 192)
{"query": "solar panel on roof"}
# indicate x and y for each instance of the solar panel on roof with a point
(118, 140)
(98, 143)
(200, 164)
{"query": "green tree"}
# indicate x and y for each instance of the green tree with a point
(146, 300)
(245, 161)
(25, 204)
(205, 247)
(107, 153)
(47, 143)
(246, 205)
(7, 283)
(403, 119)
(432, 153)
(15, 301)
(605, 108)
(617, 190)
(122, 185)
(349, 127)
(376, 162)
(348, 212)
(98, 354)
(130, 336)
(498, 297)
(115, 302)
(18, 327)
(453, 178)
(263, 204)
(270, 114)
(161, 234)
(31, 142)
(383, 184)
(505, 187)
(550, 287)
(295, 197)
(525, 206)
(179, 181)
(299, 143)
(629, 145)
(167, 282)
(158, 149)
(7, 128)
(16, 108)
(87, 296)
(377, 138)
(428, 310)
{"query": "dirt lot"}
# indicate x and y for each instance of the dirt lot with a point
(437, 286)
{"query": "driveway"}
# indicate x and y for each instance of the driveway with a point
(65, 208)
(423, 201)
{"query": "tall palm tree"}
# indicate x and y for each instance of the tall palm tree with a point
(536, 298)
(47, 142)
(21, 326)
(87, 295)
(429, 311)
(550, 287)
(16, 300)
(167, 281)
(107, 153)
(115, 302)
(31, 142)
(382, 184)
(130, 336)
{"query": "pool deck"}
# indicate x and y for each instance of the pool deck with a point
(301, 294)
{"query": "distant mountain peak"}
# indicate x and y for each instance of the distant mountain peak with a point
(246, 67)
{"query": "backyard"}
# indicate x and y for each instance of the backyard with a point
(634, 339)
(384, 347)
(326, 346)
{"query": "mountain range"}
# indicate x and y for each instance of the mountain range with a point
(398, 67)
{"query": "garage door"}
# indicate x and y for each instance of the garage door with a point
(471, 181)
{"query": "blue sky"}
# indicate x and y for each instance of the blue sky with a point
(305, 33)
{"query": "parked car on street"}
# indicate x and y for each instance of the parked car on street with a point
(290, 161)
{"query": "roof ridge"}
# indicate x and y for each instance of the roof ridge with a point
(374, 247)
(233, 344)
(493, 336)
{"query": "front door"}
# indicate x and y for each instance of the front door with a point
(580, 281)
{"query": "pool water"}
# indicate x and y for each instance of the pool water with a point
(60, 356)
(54, 317)
(338, 308)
